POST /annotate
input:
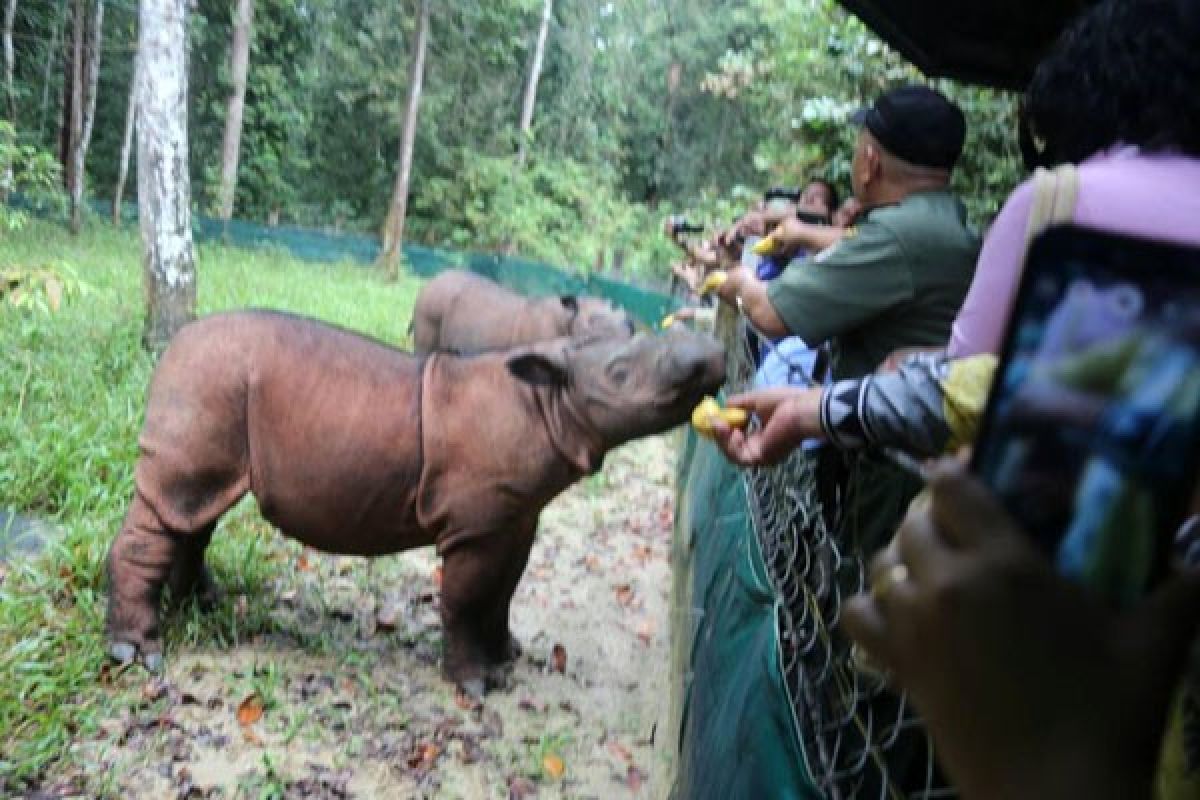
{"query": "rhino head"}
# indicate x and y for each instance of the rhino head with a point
(601, 393)
(591, 317)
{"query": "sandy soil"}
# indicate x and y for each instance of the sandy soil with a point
(354, 703)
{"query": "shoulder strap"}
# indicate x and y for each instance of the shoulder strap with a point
(1054, 193)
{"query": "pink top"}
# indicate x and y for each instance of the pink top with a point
(1151, 196)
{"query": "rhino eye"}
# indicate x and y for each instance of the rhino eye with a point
(618, 372)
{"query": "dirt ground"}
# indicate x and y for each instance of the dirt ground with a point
(344, 698)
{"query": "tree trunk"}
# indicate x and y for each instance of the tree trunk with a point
(50, 51)
(164, 189)
(535, 72)
(239, 64)
(127, 142)
(393, 229)
(85, 75)
(73, 108)
(10, 106)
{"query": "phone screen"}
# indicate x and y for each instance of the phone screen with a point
(1090, 436)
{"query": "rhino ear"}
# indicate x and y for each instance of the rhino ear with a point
(539, 367)
(569, 301)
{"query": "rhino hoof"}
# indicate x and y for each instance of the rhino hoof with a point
(153, 662)
(122, 652)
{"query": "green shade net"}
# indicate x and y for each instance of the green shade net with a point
(737, 737)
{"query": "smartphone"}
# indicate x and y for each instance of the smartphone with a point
(1090, 436)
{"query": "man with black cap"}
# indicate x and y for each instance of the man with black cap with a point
(898, 278)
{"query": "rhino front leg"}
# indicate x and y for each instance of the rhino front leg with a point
(477, 587)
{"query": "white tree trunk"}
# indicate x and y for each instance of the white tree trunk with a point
(535, 73)
(75, 116)
(239, 64)
(10, 110)
(92, 65)
(164, 189)
(50, 53)
(393, 229)
(127, 142)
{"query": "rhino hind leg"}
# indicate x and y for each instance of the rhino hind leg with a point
(139, 562)
(189, 578)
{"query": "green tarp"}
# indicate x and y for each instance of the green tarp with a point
(737, 738)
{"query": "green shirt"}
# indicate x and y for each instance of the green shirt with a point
(896, 281)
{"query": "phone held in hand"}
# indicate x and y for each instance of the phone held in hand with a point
(1090, 437)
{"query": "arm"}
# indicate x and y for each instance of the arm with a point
(743, 286)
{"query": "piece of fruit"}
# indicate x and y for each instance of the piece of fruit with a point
(704, 413)
(765, 246)
(668, 321)
(713, 281)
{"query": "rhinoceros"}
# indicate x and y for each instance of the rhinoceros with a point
(354, 447)
(466, 313)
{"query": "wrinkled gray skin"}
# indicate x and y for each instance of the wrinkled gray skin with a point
(462, 312)
(354, 447)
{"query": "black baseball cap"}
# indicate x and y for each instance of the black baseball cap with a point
(916, 124)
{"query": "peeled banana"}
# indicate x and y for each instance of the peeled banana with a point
(668, 321)
(765, 246)
(703, 414)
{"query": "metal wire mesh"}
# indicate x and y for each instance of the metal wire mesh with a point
(861, 739)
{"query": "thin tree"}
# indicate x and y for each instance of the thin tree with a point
(10, 94)
(535, 72)
(164, 190)
(73, 116)
(239, 64)
(85, 75)
(393, 228)
(127, 141)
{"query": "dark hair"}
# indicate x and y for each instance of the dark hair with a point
(1125, 72)
(829, 187)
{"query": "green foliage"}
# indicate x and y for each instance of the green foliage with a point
(35, 174)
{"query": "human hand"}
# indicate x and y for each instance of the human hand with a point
(787, 416)
(1030, 687)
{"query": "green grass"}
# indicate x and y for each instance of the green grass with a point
(72, 385)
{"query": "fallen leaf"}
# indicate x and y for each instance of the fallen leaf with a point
(624, 594)
(250, 710)
(386, 618)
(620, 751)
(153, 689)
(559, 658)
(303, 564)
(466, 701)
(592, 562)
(521, 788)
(634, 778)
(251, 736)
(525, 704)
(645, 632)
(553, 766)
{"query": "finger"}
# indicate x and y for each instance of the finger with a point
(920, 543)
(863, 622)
(964, 510)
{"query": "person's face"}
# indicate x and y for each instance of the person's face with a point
(816, 197)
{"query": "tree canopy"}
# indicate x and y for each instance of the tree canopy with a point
(644, 107)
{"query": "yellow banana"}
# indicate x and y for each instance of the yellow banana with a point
(703, 414)
(714, 280)
(668, 321)
(765, 246)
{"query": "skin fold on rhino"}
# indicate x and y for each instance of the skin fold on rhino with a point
(463, 312)
(354, 447)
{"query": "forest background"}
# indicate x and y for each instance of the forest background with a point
(644, 108)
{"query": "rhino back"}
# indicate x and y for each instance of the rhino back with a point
(325, 423)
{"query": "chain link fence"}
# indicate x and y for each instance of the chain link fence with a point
(861, 740)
